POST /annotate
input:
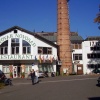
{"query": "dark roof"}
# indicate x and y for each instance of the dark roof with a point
(28, 32)
(75, 38)
(93, 38)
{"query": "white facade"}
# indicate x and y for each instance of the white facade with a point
(86, 49)
(76, 62)
(25, 60)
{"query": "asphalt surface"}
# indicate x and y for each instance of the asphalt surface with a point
(83, 87)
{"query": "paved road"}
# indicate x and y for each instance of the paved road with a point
(55, 88)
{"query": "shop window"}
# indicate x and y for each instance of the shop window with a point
(28, 68)
(6, 69)
(45, 67)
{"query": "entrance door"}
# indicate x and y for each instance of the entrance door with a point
(15, 74)
(80, 69)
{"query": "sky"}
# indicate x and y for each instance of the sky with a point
(41, 15)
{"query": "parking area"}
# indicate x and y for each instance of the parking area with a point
(54, 88)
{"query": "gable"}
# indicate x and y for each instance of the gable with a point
(19, 29)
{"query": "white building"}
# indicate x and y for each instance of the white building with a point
(91, 54)
(20, 49)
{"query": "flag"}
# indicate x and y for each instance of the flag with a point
(47, 57)
(43, 59)
(51, 59)
(40, 60)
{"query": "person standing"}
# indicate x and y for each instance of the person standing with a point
(33, 76)
(35, 67)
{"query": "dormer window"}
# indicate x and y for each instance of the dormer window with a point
(15, 31)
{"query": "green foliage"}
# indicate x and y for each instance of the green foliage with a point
(97, 19)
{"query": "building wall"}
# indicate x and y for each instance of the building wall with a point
(86, 50)
(26, 58)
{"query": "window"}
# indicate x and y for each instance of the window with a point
(44, 50)
(6, 69)
(45, 67)
(77, 46)
(93, 66)
(15, 31)
(4, 48)
(28, 68)
(15, 46)
(15, 50)
(93, 55)
(40, 50)
(26, 47)
(77, 56)
(94, 48)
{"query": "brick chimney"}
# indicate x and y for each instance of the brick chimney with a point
(63, 36)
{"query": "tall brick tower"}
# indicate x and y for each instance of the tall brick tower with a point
(63, 36)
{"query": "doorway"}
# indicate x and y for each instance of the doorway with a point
(79, 69)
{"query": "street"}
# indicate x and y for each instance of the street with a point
(54, 88)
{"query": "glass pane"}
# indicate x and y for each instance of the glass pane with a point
(13, 49)
(4, 69)
(8, 70)
(40, 50)
(1, 50)
(6, 50)
(17, 50)
(49, 50)
(13, 40)
(26, 69)
(4, 43)
(25, 43)
(45, 50)
(24, 50)
(17, 40)
(28, 49)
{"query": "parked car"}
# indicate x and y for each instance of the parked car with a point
(96, 71)
(41, 74)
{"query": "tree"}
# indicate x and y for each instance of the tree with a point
(97, 19)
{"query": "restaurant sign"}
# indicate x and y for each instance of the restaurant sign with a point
(16, 57)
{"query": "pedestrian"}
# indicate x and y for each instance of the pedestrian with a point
(33, 76)
(36, 73)
(29, 74)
